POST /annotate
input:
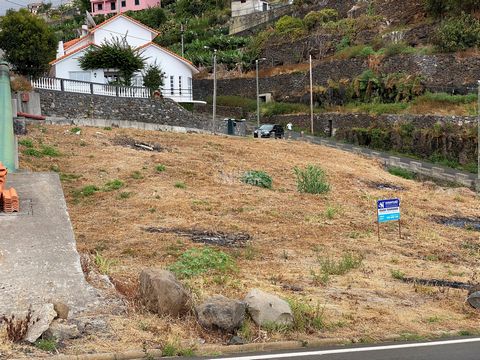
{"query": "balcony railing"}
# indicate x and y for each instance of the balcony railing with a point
(85, 87)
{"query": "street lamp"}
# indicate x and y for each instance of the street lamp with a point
(214, 101)
(258, 90)
(478, 141)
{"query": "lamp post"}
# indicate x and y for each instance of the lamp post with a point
(478, 141)
(311, 96)
(214, 89)
(181, 35)
(258, 90)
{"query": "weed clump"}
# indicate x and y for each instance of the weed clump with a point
(257, 178)
(329, 266)
(311, 180)
(194, 262)
(17, 328)
(113, 185)
(403, 173)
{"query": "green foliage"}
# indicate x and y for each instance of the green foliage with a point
(397, 274)
(451, 7)
(354, 51)
(113, 185)
(290, 26)
(194, 262)
(160, 168)
(311, 180)
(257, 178)
(397, 49)
(29, 44)
(104, 265)
(315, 18)
(280, 108)
(88, 190)
(75, 130)
(153, 17)
(114, 54)
(137, 175)
(343, 44)
(458, 33)
(28, 143)
(49, 151)
(153, 78)
(44, 150)
(49, 345)
(401, 172)
(446, 98)
(329, 267)
(180, 185)
(235, 101)
(307, 319)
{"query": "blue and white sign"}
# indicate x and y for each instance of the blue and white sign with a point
(388, 210)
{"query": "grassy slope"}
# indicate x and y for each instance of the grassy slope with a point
(290, 231)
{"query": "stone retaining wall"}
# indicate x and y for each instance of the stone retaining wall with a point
(442, 72)
(85, 106)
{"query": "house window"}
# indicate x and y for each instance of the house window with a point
(172, 84)
(112, 6)
(137, 2)
(100, 7)
(190, 85)
(180, 85)
(124, 3)
(79, 75)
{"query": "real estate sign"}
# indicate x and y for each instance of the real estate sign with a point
(388, 210)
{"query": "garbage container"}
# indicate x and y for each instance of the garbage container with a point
(231, 126)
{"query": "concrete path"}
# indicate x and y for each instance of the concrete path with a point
(39, 262)
(421, 167)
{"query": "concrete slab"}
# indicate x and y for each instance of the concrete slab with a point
(39, 262)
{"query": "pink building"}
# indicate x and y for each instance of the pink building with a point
(104, 7)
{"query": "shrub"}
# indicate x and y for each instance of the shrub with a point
(290, 26)
(32, 152)
(397, 49)
(160, 168)
(17, 328)
(153, 78)
(458, 33)
(257, 178)
(49, 345)
(50, 151)
(89, 190)
(315, 18)
(355, 51)
(180, 185)
(28, 143)
(280, 108)
(401, 172)
(113, 185)
(311, 180)
(194, 262)
(329, 266)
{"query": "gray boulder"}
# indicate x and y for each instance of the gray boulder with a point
(162, 293)
(267, 308)
(219, 312)
(40, 321)
(474, 299)
(62, 330)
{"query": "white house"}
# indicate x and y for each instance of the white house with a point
(245, 7)
(178, 70)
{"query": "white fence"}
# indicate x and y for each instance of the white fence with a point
(84, 87)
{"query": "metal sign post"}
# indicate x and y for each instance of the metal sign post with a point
(388, 210)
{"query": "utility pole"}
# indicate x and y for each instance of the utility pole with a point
(214, 89)
(258, 93)
(478, 141)
(258, 89)
(181, 35)
(311, 96)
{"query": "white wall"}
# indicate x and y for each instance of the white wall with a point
(171, 66)
(65, 66)
(118, 28)
(248, 7)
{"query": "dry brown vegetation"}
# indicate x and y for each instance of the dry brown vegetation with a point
(291, 232)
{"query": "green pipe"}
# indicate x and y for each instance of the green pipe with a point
(7, 142)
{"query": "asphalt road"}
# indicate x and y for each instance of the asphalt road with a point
(457, 349)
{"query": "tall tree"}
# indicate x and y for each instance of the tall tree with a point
(114, 54)
(28, 42)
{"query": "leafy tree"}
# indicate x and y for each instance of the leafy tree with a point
(114, 54)
(153, 77)
(451, 7)
(28, 42)
(153, 17)
(82, 5)
(458, 33)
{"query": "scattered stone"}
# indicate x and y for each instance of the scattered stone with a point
(62, 330)
(137, 145)
(459, 222)
(89, 326)
(474, 299)
(162, 293)
(40, 322)
(61, 309)
(268, 308)
(236, 340)
(295, 288)
(206, 237)
(219, 312)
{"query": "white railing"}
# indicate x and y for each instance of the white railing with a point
(84, 87)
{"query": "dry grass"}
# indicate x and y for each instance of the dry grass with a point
(290, 231)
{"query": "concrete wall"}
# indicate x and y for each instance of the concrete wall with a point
(243, 25)
(86, 106)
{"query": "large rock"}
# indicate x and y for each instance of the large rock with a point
(474, 296)
(61, 309)
(267, 308)
(162, 293)
(40, 322)
(62, 330)
(219, 312)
